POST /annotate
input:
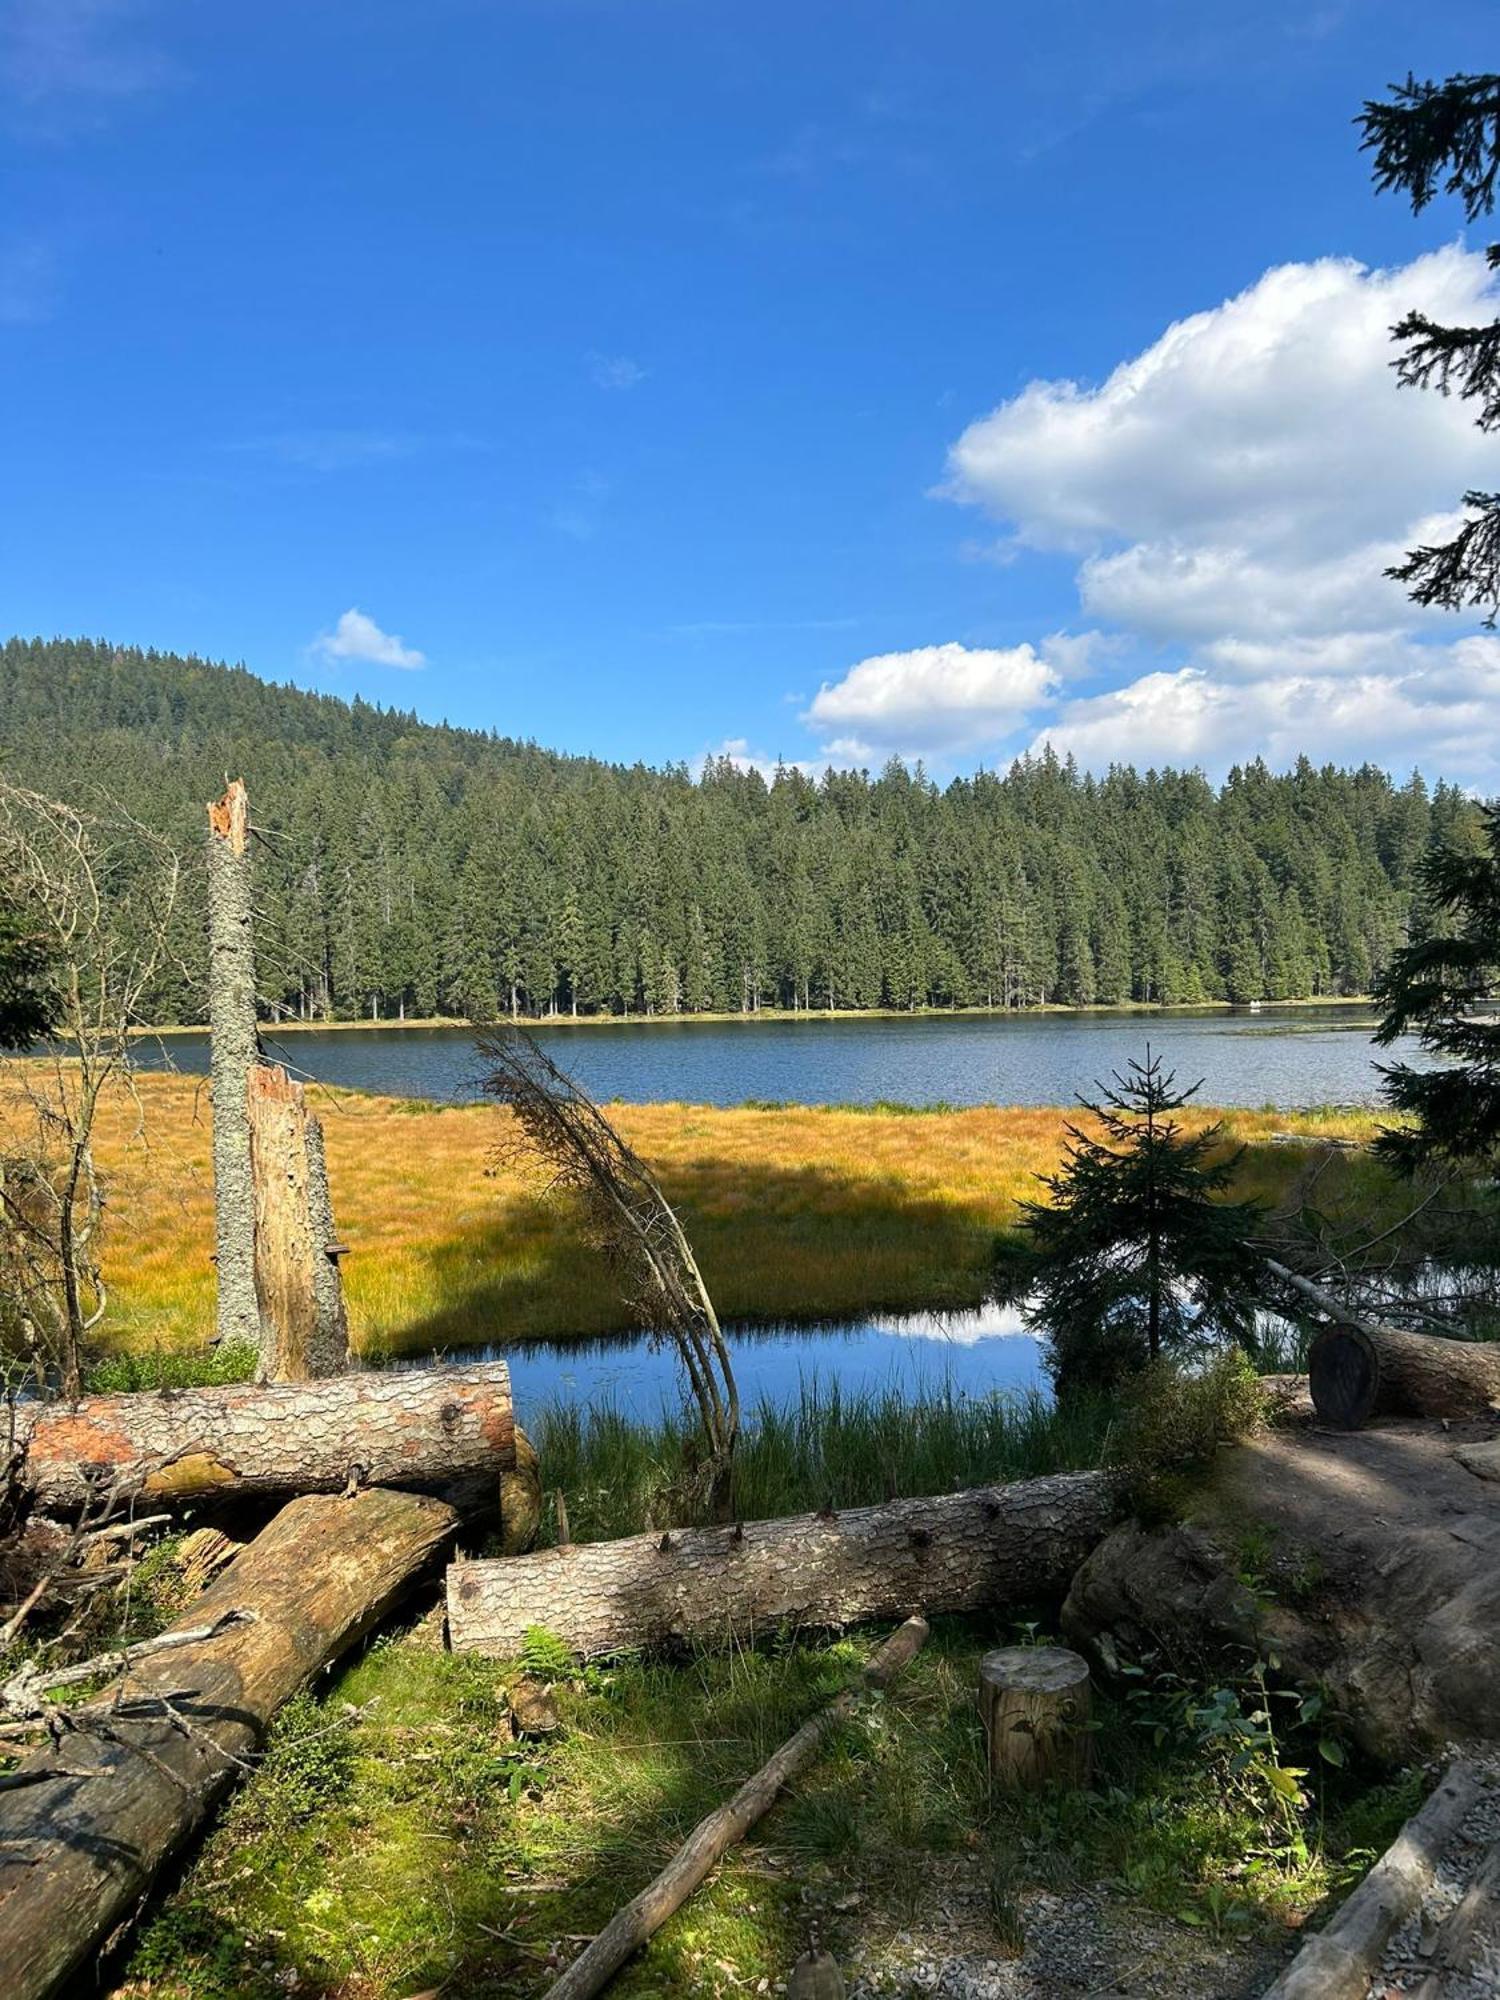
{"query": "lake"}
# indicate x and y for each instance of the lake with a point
(1285, 1056)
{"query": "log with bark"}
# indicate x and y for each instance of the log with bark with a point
(955, 1552)
(1360, 1372)
(712, 1838)
(437, 1430)
(1340, 1960)
(86, 1822)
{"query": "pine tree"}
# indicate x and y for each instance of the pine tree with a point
(28, 1007)
(1438, 986)
(1447, 135)
(1137, 1254)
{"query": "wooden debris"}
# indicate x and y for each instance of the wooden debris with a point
(533, 1709)
(86, 1821)
(1360, 1372)
(629, 1928)
(429, 1429)
(1034, 1703)
(955, 1552)
(305, 1325)
(1337, 1963)
(1461, 1937)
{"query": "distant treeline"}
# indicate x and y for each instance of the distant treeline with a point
(419, 869)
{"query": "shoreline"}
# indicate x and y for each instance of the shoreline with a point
(778, 1016)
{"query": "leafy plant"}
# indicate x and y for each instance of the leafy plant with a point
(1172, 1423)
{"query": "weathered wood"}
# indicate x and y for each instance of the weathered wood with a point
(1337, 1962)
(955, 1552)
(1359, 1372)
(629, 1928)
(305, 1327)
(234, 1052)
(86, 1822)
(1034, 1702)
(1470, 1929)
(429, 1429)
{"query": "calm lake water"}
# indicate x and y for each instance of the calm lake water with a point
(970, 1353)
(1280, 1056)
(1283, 1056)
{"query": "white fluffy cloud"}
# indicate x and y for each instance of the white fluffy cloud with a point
(1234, 494)
(358, 637)
(932, 699)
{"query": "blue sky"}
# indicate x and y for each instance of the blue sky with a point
(826, 381)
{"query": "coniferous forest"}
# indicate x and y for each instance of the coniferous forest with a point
(404, 868)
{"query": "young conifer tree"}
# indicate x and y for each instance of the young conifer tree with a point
(1137, 1254)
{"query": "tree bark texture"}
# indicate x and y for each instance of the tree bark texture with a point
(1357, 1373)
(234, 1053)
(305, 1329)
(955, 1552)
(1034, 1703)
(1339, 1961)
(430, 1429)
(86, 1822)
(712, 1838)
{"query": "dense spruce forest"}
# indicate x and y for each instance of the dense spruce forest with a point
(407, 868)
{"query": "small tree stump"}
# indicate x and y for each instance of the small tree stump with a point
(1034, 1702)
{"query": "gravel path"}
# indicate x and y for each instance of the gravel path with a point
(1409, 1960)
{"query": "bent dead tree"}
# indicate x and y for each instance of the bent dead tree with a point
(955, 1552)
(86, 1822)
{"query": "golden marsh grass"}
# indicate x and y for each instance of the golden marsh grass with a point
(795, 1212)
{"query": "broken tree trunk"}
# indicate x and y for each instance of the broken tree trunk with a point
(955, 1552)
(305, 1327)
(1359, 1372)
(86, 1822)
(1339, 1962)
(1034, 1704)
(712, 1838)
(443, 1430)
(234, 1052)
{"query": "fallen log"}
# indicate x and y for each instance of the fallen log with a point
(430, 1430)
(1359, 1372)
(954, 1552)
(1469, 1932)
(1338, 1962)
(712, 1838)
(86, 1822)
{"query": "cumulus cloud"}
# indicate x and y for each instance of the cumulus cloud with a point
(358, 637)
(933, 699)
(615, 371)
(1233, 495)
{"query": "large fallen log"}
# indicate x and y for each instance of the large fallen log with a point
(712, 1837)
(1359, 1372)
(1338, 1962)
(435, 1430)
(956, 1552)
(86, 1822)
(1359, 1369)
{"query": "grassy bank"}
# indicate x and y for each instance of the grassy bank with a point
(794, 1211)
(398, 1839)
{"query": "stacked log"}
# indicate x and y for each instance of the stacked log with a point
(434, 1430)
(86, 1822)
(956, 1552)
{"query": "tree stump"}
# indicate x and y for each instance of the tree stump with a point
(1034, 1702)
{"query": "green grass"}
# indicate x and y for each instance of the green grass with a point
(415, 1843)
(829, 1447)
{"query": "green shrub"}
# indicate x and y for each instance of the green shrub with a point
(1172, 1422)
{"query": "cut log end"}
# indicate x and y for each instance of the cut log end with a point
(1344, 1377)
(1034, 1702)
(1358, 1373)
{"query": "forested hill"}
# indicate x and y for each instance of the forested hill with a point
(410, 867)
